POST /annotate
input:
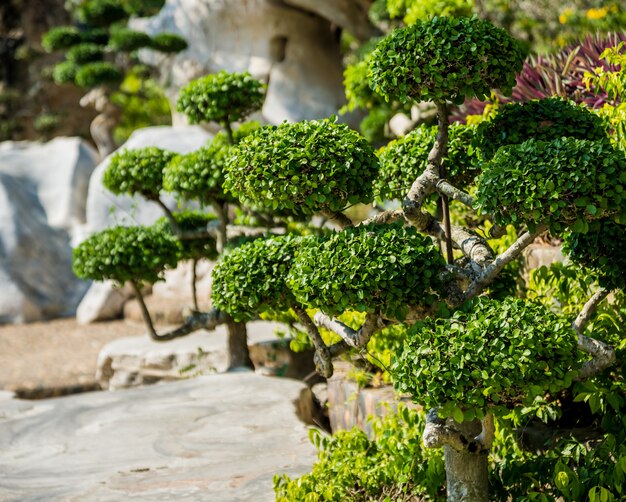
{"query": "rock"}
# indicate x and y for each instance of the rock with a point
(104, 301)
(104, 209)
(57, 172)
(36, 278)
(292, 50)
(218, 437)
(133, 361)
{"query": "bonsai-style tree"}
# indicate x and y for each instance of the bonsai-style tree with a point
(100, 51)
(489, 356)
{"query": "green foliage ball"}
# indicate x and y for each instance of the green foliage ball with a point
(122, 254)
(445, 59)
(143, 8)
(98, 73)
(137, 171)
(376, 268)
(199, 175)
(168, 43)
(312, 166)
(603, 250)
(545, 120)
(64, 72)
(251, 279)
(127, 40)
(99, 36)
(100, 12)
(495, 354)
(61, 37)
(189, 222)
(85, 53)
(404, 159)
(221, 97)
(563, 183)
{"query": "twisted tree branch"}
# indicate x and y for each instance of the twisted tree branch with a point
(353, 338)
(445, 188)
(339, 219)
(323, 357)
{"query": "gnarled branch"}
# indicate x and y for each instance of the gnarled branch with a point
(338, 218)
(323, 357)
(445, 188)
(353, 338)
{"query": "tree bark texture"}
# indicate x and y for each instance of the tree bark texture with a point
(466, 475)
(238, 354)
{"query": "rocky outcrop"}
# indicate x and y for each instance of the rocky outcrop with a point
(42, 200)
(294, 50)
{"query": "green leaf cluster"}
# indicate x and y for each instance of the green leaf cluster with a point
(189, 222)
(392, 465)
(64, 72)
(543, 119)
(313, 166)
(375, 268)
(221, 97)
(404, 159)
(168, 43)
(602, 250)
(138, 171)
(98, 73)
(126, 40)
(199, 175)
(445, 59)
(495, 355)
(61, 37)
(123, 254)
(563, 183)
(251, 279)
(412, 11)
(100, 12)
(85, 53)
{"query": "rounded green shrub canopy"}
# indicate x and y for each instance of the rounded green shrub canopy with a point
(445, 59)
(98, 73)
(545, 120)
(495, 354)
(564, 183)
(64, 72)
(122, 254)
(100, 12)
(221, 97)
(603, 250)
(168, 43)
(252, 278)
(404, 159)
(189, 222)
(60, 38)
(137, 171)
(313, 166)
(376, 268)
(127, 40)
(85, 53)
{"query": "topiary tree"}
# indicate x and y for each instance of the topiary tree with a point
(101, 52)
(470, 359)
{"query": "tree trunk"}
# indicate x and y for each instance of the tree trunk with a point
(466, 473)
(238, 354)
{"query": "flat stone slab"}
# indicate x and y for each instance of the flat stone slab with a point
(212, 438)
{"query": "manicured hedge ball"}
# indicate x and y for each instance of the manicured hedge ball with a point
(312, 166)
(85, 53)
(64, 72)
(61, 37)
(127, 40)
(100, 12)
(168, 43)
(445, 59)
(98, 73)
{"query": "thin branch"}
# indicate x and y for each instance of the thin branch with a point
(221, 211)
(323, 358)
(471, 244)
(389, 216)
(170, 217)
(445, 188)
(339, 219)
(602, 354)
(494, 268)
(354, 338)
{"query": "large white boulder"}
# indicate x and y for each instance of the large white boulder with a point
(43, 191)
(289, 47)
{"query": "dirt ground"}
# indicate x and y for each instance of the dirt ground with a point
(55, 357)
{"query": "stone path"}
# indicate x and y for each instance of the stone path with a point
(213, 438)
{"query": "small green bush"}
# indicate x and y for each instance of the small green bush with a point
(127, 40)
(98, 73)
(192, 222)
(123, 254)
(404, 159)
(601, 249)
(61, 37)
(376, 268)
(564, 183)
(221, 97)
(137, 171)
(168, 43)
(251, 279)
(313, 166)
(445, 59)
(64, 72)
(544, 119)
(496, 354)
(100, 12)
(143, 8)
(85, 53)
(98, 36)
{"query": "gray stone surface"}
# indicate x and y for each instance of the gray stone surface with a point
(214, 438)
(104, 301)
(291, 49)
